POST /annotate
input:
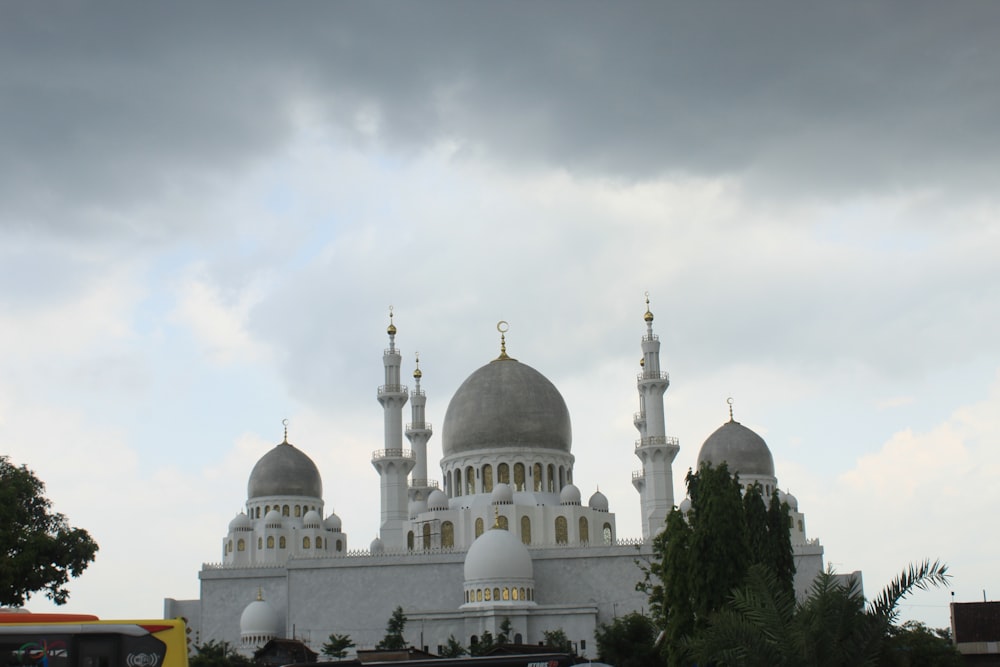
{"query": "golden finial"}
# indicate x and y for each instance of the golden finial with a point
(392, 327)
(416, 373)
(284, 422)
(648, 316)
(496, 516)
(260, 594)
(503, 327)
(730, 402)
(642, 362)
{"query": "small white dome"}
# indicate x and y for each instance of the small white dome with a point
(417, 507)
(793, 502)
(333, 523)
(272, 518)
(502, 494)
(240, 522)
(497, 554)
(438, 500)
(376, 546)
(570, 495)
(685, 506)
(598, 502)
(259, 619)
(312, 519)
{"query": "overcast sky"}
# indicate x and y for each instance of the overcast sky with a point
(206, 211)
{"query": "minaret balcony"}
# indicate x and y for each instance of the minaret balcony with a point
(418, 426)
(639, 419)
(658, 441)
(650, 375)
(639, 480)
(638, 474)
(424, 484)
(650, 337)
(392, 389)
(383, 454)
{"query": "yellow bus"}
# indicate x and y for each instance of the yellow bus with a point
(83, 640)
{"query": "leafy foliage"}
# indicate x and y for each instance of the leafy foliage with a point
(393, 639)
(218, 654)
(505, 630)
(913, 644)
(41, 551)
(453, 649)
(337, 646)
(557, 639)
(628, 642)
(763, 625)
(485, 644)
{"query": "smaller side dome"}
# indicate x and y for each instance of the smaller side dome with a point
(598, 502)
(333, 523)
(502, 494)
(417, 507)
(259, 620)
(376, 547)
(312, 519)
(497, 554)
(793, 502)
(685, 506)
(570, 495)
(438, 500)
(273, 519)
(240, 522)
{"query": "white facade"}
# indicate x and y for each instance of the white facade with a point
(505, 536)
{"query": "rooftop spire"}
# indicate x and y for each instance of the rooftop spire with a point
(503, 327)
(417, 373)
(391, 330)
(730, 402)
(284, 422)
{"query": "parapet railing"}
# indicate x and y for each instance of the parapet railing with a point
(654, 440)
(393, 454)
(392, 389)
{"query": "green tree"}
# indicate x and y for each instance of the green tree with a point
(337, 646)
(453, 649)
(505, 630)
(913, 644)
(557, 639)
(41, 551)
(217, 654)
(628, 642)
(763, 625)
(393, 639)
(485, 644)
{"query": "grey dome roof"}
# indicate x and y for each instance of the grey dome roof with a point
(741, 449)
(285, 471)
(506, 404)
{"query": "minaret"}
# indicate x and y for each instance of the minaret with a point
(393, 463)
(419, 432)
(655, 482)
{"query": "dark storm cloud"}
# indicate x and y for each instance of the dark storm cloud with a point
(110, 104)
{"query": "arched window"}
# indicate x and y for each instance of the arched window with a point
(503, 473)
(525, 530)
(522, 594)
(502, 522)
(479, 527)
(506, 593)
(427, 536)
(458, 482)
(517, 638)
(513, 594)
(447, 534)
(340, 545)
(562, 477)
(241, 545)
(496, 593)
(569, 476)
(281, 542)
(539, 477)
(552, 478)
(470, 481)
(479, 595)
(267, 508)
(487, 594)
(487, 478)
(306, 542)
(298, 510)
(409, 540)
(260, 542)
(562, 530)
(608, 537)
(519, 477)
(284, 510)
(258, 513)
(229, 547)
(319, 542)
(270, 541)
(584, 530)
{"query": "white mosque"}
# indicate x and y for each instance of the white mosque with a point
(505, 539)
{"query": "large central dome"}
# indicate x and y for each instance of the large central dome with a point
(285, 471)
(506, 404)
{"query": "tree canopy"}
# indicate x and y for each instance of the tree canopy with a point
(628, 641)
(337, 646)
(394, 631)
(39, 550)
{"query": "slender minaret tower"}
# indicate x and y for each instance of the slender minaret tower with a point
(419, 432)
(393, 463)
(655, 482)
